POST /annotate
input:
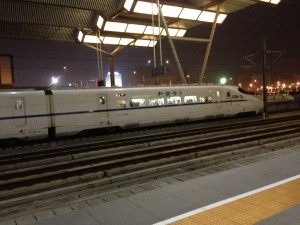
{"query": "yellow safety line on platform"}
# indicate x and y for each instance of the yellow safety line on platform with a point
(245, 209)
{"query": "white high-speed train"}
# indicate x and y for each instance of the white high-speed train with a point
(31, 114)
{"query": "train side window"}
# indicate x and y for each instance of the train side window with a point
(18, 104)
(102, 100)
(190, 99)
(174, 100)
(228, 94)
(121, 104)
(156, 101)
(205, 99)
(137, 102)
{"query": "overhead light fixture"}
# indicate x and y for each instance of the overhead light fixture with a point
(115, 26)
(172, 31)
(128, 4)
(152, 43)
(80, 36)
(126, 41)
(171, 11)
(135, 28)
(153, 30)
(111, 40)
(181, 33)
(91, 39)
(142, 43)
(146, 8)
(276, 2)
(100, 22)
(190, 14)
(207, 16)
(221, 18)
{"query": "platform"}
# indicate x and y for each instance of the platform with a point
(263, 190)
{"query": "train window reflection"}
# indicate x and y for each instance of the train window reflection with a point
(156, 101)
(121, 104)
(137, 102)
(205, 99)
(174, 100)
(190, 99)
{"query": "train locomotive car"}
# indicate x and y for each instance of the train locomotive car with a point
(51, 113)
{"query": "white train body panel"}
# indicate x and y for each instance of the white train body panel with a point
(72, 111)
(78, 110)
(23, 114)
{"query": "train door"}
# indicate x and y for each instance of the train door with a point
(102, 109)
(18, 107)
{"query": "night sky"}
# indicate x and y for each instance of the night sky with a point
(35, 62)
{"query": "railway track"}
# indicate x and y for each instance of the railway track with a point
(29, 176)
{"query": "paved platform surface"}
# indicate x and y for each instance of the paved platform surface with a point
(157, 201)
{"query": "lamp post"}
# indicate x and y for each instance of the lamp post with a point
(66, 79)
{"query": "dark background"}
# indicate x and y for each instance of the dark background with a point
(35, 62)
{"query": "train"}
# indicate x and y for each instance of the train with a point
(33, 114)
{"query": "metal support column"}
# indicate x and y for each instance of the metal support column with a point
(181, 74)
(264, 57)
(212, 33)
(112, 70)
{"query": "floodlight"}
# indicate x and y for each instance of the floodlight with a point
(115, 26)
(128, 4)
(223, 80)
(189, 14)
(55, 80)
(171, 11)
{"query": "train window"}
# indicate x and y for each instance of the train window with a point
(228, 94)
(137, 102)
(102, 100)
(174, 100)
(121, 104)
(205, 99)
(156, 101)
(18, 104)
(190, 99)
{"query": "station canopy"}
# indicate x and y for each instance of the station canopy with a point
(116, 22)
